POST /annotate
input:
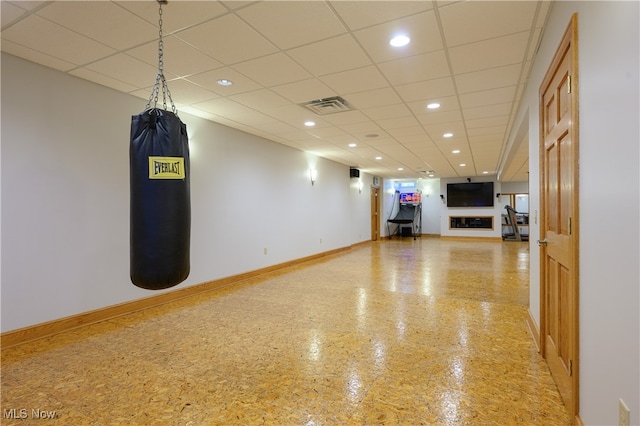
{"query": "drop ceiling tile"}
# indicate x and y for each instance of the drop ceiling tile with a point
(9, 13)
(127, 69)
(260, 99)
(250, 117)
(361, 129)
(416, 68)
(304, 91)
(186, 93)
(491, 138)
(343, 139)
(487, 97)
(273, 70)
(276, 127)
(326, 132)
(122, 30)
(236, 4)
(432, 118)
(415, 141)
(55, 41)
(488, 79)
(294, 115)
(179, 58)
(198, 113)
(289, 24)
(487, 111)
(495, 130)
(402, 125)
(252, 106)
(346, 117)
(448, 103)
(241, 42)
(472, 21)
(491, 53)
(139, 93)
(381, 141)
(360, 14)
(35, 56)
(330, 56)
(209, 81)
(28, 4)
(176, 15)
(373, 98)
(107, 81)
(387, 111)
(356, 80)
(437, 130)
(228, 109)
(428, 90)
(487, 122)
(421, 28)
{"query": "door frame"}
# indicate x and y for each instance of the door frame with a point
(375, 212)
(570, 38)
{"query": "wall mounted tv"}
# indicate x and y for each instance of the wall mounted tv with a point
(473, 194)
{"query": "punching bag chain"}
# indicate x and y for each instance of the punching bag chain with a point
(161, 82)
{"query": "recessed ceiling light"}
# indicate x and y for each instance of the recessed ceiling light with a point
(224, 82)
(400, 169)
(430, 174)
(399, 40)
(309, 123)
(447, 135)
(352, 145)
(455, 151)
(433, 105)
(371, 135)
(462, 165)
(485, 172)
(378, 158)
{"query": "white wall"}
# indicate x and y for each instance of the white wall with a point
(609, 189)
(65, 198)
(360, 202)
(431, 206)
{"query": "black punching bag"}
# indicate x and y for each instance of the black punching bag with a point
(160, 231)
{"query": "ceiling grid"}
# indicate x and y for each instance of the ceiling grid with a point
(472, 58)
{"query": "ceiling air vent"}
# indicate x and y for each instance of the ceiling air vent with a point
(328, 105)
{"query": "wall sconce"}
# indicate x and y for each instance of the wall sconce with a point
(313, 174)
(498, 195)
(442, 197)
(360, 185)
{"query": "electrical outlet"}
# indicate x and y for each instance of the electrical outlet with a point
(265, 250)
(320, 240)
(624, 415)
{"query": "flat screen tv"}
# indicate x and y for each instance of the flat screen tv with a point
(473, 194)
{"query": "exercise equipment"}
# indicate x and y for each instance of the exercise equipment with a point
(409, 211)
(160, 215)
(512, 219)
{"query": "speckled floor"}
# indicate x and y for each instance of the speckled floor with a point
(398, 332)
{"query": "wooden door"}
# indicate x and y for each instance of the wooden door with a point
(375, 213)
(559, 218)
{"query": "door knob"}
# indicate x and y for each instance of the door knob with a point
(542, 242)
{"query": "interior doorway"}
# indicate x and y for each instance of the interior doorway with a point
(375, 213)
(559, 225)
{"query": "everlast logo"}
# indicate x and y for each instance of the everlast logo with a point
(166, 168)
